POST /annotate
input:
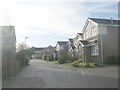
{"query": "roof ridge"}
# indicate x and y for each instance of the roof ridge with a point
(103, 18)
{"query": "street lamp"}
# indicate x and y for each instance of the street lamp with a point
(25, 39)
(26, 60)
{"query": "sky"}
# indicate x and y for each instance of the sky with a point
(45, 22)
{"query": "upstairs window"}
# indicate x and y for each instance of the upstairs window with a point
(93, 32)
(86, 35)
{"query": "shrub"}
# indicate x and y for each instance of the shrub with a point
(83, 64)
(63, 56)
(76, 63)
(92, 64)
(56, 62)
(88, 64)
(61, 61)
(79, 63)
(23, 56)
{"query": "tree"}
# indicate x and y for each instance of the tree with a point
(63, 56)
(21, 46)
(24, 53)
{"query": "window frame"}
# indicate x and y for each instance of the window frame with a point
(93, 31)
(95, 50)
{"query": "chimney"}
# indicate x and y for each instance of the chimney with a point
(111, 20)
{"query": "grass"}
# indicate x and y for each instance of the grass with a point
(56, 62)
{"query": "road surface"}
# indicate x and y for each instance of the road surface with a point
(41, 74)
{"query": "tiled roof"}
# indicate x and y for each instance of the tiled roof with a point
(104, 21)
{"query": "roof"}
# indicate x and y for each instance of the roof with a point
(84, 42)
(38, 49)
(62, 42)
(7, 29)
(105, 21)
(71, 39)
(50, 47)
(80, 33)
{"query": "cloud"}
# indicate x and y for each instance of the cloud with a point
(46, 21)
(102, 7)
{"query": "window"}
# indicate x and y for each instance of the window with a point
(86, 35)
(93, 32)
(38, 52)
(94, 50)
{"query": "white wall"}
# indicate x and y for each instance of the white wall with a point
(87, 31)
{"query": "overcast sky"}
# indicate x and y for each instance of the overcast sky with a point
(47, 21)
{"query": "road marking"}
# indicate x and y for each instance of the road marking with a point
(83, 73)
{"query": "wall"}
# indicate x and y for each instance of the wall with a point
(110, 42)
(87, 31)
(10, 64)
(49, 52)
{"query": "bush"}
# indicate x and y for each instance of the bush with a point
(63, 56)
(88, 64)
(61, 61)
(83, 64)
(56, 62)
(76, 63)
(92, 64)
(80, 63)
(23, 56)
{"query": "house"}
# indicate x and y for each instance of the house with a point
(78, 37)
(62, 49)
(48, 53)
(61, 45)
(37, 52)
(55, 55)
(81, 49)
(71, 48)
(71, 45)
(100, 40)
(8, 48)
(74, 46)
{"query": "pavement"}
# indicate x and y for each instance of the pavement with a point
(42, 74)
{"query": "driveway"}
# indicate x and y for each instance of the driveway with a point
(42, 74)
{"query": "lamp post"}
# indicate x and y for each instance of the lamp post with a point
(26, 61)
(25, 39)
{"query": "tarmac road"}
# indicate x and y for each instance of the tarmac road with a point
(42, 74)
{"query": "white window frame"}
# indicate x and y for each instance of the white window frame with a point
(86, 34)
(93, 31)
(94, 50)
